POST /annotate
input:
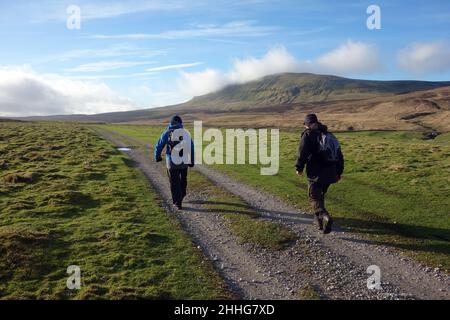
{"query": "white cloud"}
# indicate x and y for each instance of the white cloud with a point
(139, 75)
(174, 66)
(351, 58)
(52, 10)
(106, 66)
(277, 60)
(158, 97)
(110, 52)
(425, 58)
(348, 59)
(24, 92)
(203, 82)
(232, 29)
(118, 8)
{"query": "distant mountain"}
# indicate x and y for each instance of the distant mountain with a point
(291, 88)
(280, 95)
(7, 120)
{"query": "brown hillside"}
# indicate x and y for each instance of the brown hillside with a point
(422, 110)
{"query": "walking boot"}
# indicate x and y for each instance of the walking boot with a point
(319, 221)
(327, 223)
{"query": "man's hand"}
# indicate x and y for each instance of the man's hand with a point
(299, 173)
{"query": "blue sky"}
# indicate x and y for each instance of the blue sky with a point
(140, 54)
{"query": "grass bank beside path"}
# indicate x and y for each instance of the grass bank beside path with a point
(395, 189)
(67, 197)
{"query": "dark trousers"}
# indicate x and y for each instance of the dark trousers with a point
(178, 184)
(317, 192)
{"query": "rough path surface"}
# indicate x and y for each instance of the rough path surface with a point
(334, 265)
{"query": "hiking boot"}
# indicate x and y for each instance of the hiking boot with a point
(327, 223)
(177, 206)
(319, 221)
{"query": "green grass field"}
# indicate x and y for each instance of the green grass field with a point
(67, 197)
(395, 188)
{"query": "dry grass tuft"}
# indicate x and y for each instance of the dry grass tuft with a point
(14, 178)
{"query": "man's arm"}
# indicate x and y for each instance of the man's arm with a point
(162, 142)
(304, 151)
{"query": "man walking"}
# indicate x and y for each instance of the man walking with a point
(321, 153)
(177, 162)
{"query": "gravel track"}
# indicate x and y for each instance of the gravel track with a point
(335, 265)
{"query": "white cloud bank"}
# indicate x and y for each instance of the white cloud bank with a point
(351, 58)
(23, 92)
(425, 58)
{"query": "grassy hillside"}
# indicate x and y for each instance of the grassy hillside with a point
(291, 88)
(395, 187)
(7, 120)
(68, 198)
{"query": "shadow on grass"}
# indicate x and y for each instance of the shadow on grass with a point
(232, 204)
(378, 188)
(219, 210)
(410, 231)
(418, 237)
(292, 217)
(373, 224)
(130, 163)
(157, 239)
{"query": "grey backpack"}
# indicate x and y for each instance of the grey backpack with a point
(329, 148)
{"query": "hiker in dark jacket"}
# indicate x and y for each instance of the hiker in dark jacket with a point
(177, 172)
(320, 152)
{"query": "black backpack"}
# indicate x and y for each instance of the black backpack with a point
(171, 144)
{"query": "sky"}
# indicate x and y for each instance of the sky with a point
(94, 56)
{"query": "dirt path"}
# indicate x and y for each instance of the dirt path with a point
(335, 265)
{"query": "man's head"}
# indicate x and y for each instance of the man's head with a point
(176, 120)
(310, 119)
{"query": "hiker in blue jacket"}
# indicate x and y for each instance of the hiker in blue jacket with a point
(176, 171)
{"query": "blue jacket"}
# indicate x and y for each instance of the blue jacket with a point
(164, 139)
